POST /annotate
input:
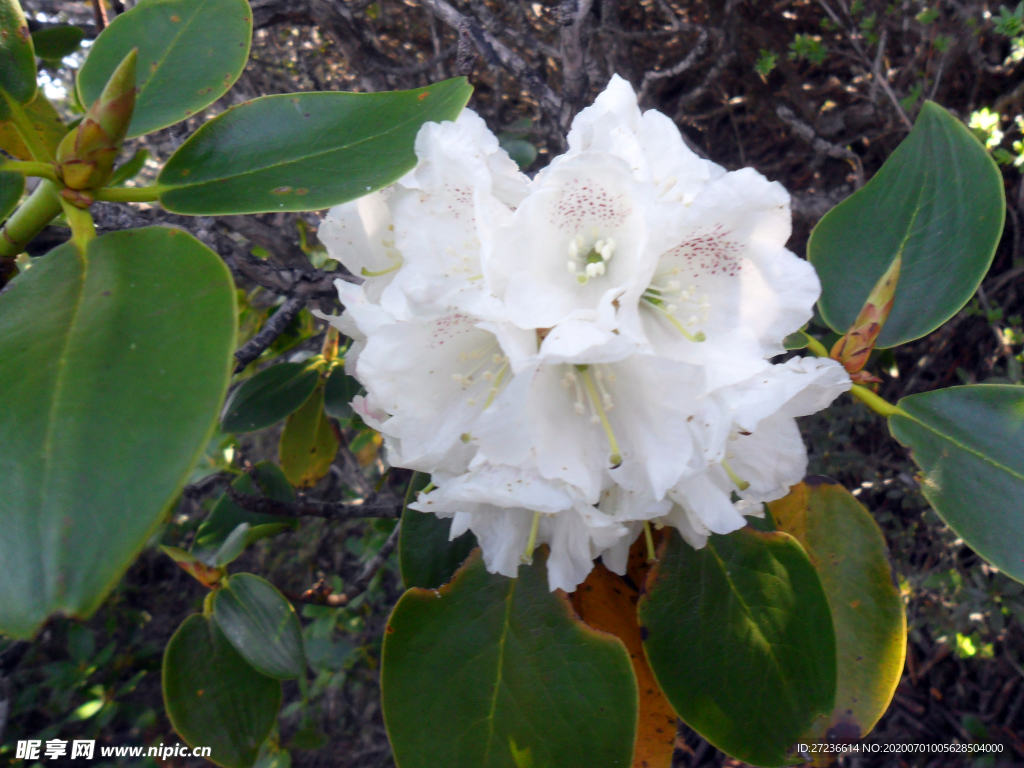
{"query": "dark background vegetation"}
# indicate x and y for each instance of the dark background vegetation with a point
(814, 94)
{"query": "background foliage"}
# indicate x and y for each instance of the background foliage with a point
(793, 89)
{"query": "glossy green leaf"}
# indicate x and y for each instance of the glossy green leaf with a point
(112, 375)
(12, 185)
(309, 443)
(262, 626)
(17, 60)
(740, 639)
(969, 443)
(492, 672)
(269, 396)
(426, 556)
(129, 169)
(190, 54)
(849, 553)
(796, 340)
(338, 394)
(54, 43)
(938, 202)
(214, 698)
(304, 151)
(44, 119)
(226, 516)
(233, 546)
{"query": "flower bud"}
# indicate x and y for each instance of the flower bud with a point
(85, 157)
(854, 349)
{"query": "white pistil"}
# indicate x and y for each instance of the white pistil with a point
(736, 479)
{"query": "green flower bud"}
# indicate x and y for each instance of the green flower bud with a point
(85, 157)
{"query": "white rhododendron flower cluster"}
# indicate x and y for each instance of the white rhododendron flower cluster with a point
(573, 355)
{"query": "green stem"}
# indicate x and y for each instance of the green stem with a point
(874, 402)
(130, 194)
(531, 543)
(42, 170)
(816, 346)
(40, 209)
(649, 540)
(83, 229)
(27, 130)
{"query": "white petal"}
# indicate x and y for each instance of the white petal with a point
(358, 234)
(707, 503)
(588, 198)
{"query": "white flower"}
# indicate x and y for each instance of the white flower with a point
(512, 510)
(763, 454)
(579, 355)
(650, 143)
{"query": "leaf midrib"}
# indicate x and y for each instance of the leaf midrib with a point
(500, 666)
(284, 164)
(52, 581)
(174, 41)
(750, 618)
(1013, 473)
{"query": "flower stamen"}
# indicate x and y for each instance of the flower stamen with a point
(591, 265)
(670, 297)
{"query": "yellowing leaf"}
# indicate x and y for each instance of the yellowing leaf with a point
(309, 442)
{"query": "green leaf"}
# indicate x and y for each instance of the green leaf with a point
(969, 442)
(304, 151)
(338, 394)
(129, 169)
(938, 203)
(226, 516)
(262, 626)
(796, 340)
(17, 60)
(426, 556)
(214, 698)
(45, 121)
(309, 443)
(522, 151)
(54, 43)
(740, 639)
(190, 53)
(12, 185)
(492, 672)
(269, 396)
(233, 546)
(849, 553)
(112, 373)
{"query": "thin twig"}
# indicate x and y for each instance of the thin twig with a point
(320, 593)
(374, 505)
(273, 328)
(876, 68)
(807, 133)
(676, 69)
(100, 14)
(492, 49)
(573, 15)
